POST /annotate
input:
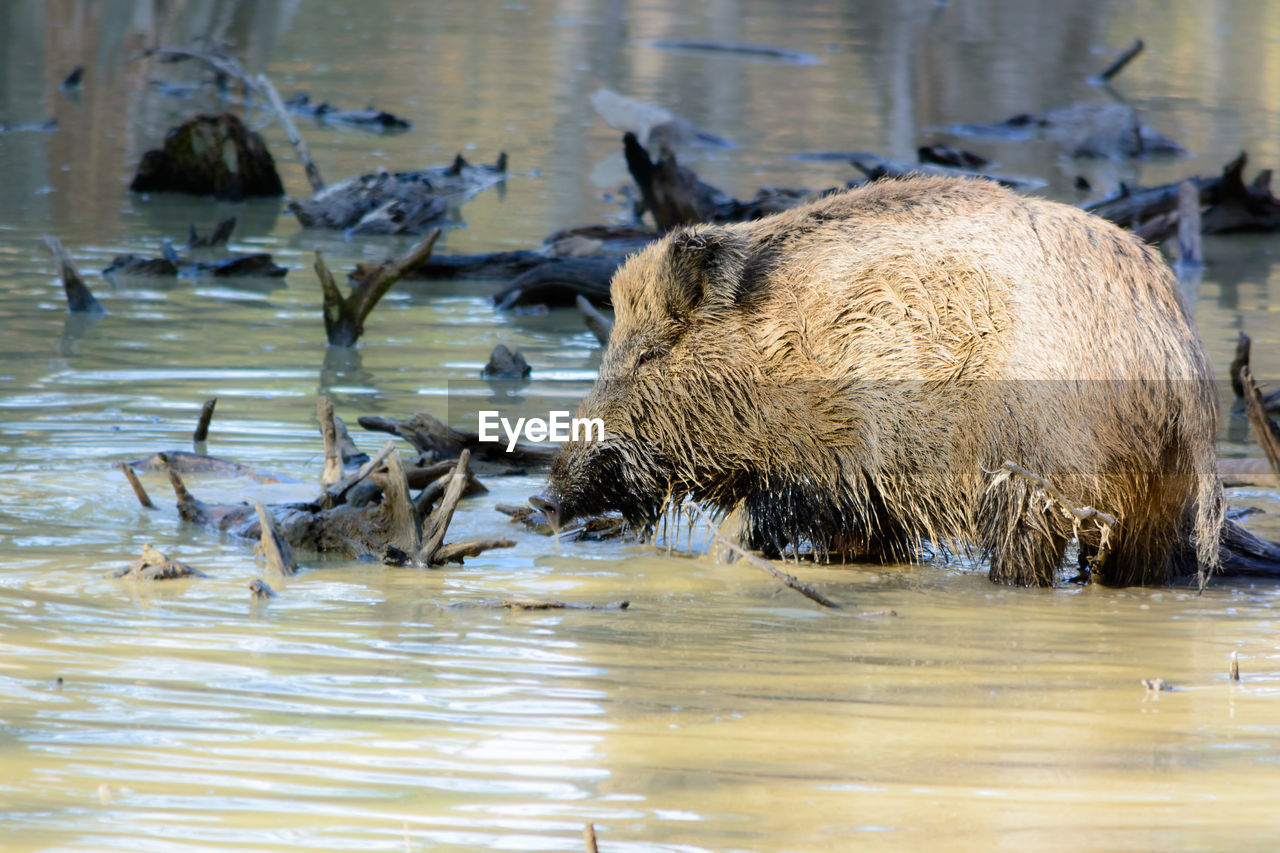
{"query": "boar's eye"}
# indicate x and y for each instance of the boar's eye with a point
(646, 357)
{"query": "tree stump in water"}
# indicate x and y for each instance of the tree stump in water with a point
(210, 155)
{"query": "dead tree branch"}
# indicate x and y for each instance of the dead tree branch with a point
(761, 563)
(344, 316)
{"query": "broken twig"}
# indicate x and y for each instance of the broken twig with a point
(761, 563)
(1126, 56)
(202, 426)
(141, 493)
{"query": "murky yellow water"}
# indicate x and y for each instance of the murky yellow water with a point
(362, 709)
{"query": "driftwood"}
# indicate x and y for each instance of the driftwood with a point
(344, 316)
(650, 123)
(385, 202)
(594, 529)
(139, 492)
(195, 160)
(560, 282)
(671, 193)
(80, 300)
(186, 462)
(759, 562)
(219, 236)
(1104, 130)
(759, 51)
(1265, 431)
(1229, 205)
(201, 432)
(369, 118)
(260, 591)
(600, 325)
(329, 433)
(275, 550)
(505, 364)
(946, 155)
(1126, 56)
(431, 435)
(259, 264)
(876, 167)
(1190, 253)
(225, 65)
(155, 566)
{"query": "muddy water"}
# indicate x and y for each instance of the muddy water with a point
(387, 709)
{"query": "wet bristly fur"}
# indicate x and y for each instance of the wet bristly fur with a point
(851, 373)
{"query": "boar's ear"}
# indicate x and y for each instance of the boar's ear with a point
(709, 268)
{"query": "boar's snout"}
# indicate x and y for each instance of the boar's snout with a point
(549, 505)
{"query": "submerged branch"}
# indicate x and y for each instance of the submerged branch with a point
(761, 563)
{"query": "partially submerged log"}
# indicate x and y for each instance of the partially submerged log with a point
(674, 196)
(755, 51)
(210, 155)
(186, 462)
(385, 202)
(256, 265)
(1122, 60)
(201, 433)
(155, 566)
(219, 236)
(80, 300)
(671, 193)
(369, 118)
(226, 66)
(505, 364)
(650, 123)
(1230, 205)
(560, 282)
(1247, 472)
(594, 529)
(344, 316)
(1106, 130)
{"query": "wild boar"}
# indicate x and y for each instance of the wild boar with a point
(849, 377)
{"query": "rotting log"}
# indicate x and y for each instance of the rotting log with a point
(210, 155)
(600, 325)
(226, 65)
(344, 316)
(79, 298)
(560, 281)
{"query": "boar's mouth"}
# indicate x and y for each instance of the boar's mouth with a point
(583, 484)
